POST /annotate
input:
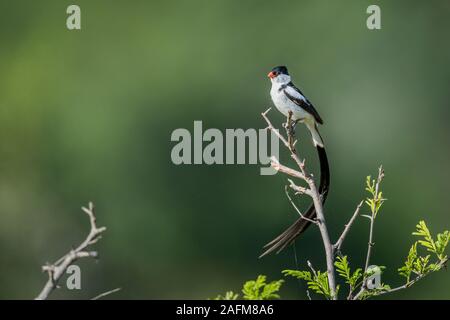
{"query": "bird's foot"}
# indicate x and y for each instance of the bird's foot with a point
(291, 129)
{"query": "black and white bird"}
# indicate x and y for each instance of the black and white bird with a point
(288, 98)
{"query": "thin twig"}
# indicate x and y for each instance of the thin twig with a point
(372, 222)
(298, 189)
(312, 268)
(107, 293)
(271, 128)
(295, 207)
(301, 164)
(307, 294)
(337, 246)
(57, 269)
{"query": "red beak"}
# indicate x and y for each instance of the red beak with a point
(271, 75)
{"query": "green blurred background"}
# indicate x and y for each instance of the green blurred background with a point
(87, 115)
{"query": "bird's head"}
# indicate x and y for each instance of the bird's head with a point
(279, 74)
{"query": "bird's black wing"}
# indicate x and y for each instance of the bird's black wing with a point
(303, 103)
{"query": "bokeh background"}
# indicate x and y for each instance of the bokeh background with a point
(87, 115)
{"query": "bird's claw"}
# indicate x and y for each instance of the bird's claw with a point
(291, 128)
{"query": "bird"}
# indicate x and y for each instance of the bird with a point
(287, 98)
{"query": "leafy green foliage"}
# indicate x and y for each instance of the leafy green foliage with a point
(299, 274)
(375, 292)
(406, 270)
(441, 244)
(317, 281)
(343, 269)
(260, 290)
(229, 295)
(423, 231)
(270, 289)
(255, 290)
(415, 267)
(420, 265)
(376, 200)
(415, 263)
(437, 247)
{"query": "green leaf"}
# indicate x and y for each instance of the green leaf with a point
(343, 269)
(427, 242)
(318, 282)
(376, 200)
(370, 185)
(357, 274)
(299, 274)
(420, 266)
(441, 244)
(229, 295)
(260, 290)
(374, 292)
(437, 247)
(407, 268)
(269, 291)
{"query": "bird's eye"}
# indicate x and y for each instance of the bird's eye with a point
(275, 73)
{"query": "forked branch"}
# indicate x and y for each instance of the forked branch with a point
(56, 270)
(311, 191)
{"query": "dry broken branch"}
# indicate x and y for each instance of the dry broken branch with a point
(57, 269)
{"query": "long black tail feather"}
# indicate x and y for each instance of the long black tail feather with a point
(299, 226)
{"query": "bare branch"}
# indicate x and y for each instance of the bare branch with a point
(286, 142)
(57, 269)
(272, 128)
(310, 266)
(329, 252)
(107, 293)
(337, 246)
(308, 295)
(311, 191)
(298, 189)
(291, 172)
(293, 204)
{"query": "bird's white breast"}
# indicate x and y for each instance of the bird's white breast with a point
(284, 104)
